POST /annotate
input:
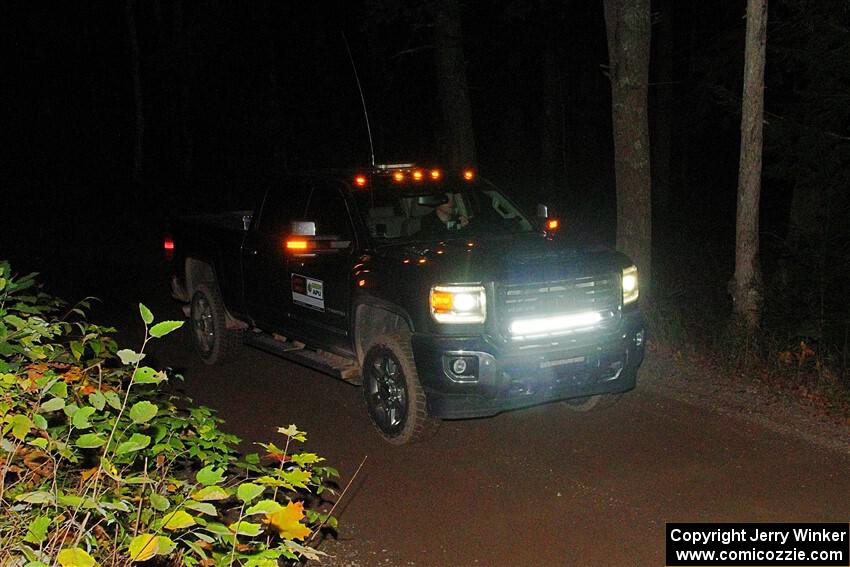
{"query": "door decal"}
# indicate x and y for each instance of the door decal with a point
(308, 292)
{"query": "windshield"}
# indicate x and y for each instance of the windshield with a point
(397, 215)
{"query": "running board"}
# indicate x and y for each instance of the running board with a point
(327, 363)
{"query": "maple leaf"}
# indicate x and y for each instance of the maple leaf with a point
(287, 521)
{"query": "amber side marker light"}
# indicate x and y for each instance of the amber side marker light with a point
(296, 245)
(442, 301)
(553, 224)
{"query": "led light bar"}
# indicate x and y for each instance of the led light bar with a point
(403, 173)
(558, 323)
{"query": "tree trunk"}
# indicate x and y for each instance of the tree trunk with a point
(459, 140)
(139, 138)
(662, 183)
(747, 284)
(628, 27)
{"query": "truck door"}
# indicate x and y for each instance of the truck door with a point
(320, 280)
(264, 259)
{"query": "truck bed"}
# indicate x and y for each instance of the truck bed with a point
(216, 240)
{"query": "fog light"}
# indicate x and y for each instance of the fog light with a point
(459, 366)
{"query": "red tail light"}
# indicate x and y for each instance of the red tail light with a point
(168, 247)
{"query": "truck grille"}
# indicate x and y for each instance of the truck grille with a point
(597, 294)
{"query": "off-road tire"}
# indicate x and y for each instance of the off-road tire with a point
(592, 403)
(213, 341)
(395, 400)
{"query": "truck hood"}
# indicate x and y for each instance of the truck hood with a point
(507, 259)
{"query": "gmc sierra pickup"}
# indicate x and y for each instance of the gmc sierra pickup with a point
(427, 286)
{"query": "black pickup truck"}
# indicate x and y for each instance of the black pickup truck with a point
(429, 287)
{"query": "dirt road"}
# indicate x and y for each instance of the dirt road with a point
(542, 486)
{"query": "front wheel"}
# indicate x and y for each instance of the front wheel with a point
(394, 397)
(214, 342)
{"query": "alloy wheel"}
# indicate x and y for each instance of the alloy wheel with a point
(203, 324)
(387, 392)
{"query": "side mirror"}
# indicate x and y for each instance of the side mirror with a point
(302, 240)
(542, 211)
(302, 228)
(550, 224)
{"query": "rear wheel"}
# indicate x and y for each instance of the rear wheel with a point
(213, 341)
(394, 397)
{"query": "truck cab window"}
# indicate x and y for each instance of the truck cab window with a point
(283, 204)
(329, 211)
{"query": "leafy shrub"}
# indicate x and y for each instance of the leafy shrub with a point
(101, 465)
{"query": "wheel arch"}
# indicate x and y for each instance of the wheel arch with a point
(198, 271)
(373, 318)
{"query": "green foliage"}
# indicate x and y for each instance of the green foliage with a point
(100, 466)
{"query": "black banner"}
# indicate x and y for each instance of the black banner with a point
(758, 545)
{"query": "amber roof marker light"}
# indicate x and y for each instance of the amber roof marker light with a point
(360, 180)
(469, 174)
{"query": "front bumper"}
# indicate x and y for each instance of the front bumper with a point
(509, 377)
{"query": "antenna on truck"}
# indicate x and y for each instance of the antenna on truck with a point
(362, 98)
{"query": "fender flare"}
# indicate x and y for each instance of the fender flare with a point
(373, 317)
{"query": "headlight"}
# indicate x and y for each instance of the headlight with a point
(458, 303)
(631, 289)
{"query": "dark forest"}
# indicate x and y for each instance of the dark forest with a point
(234, 93)
(707, 143)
